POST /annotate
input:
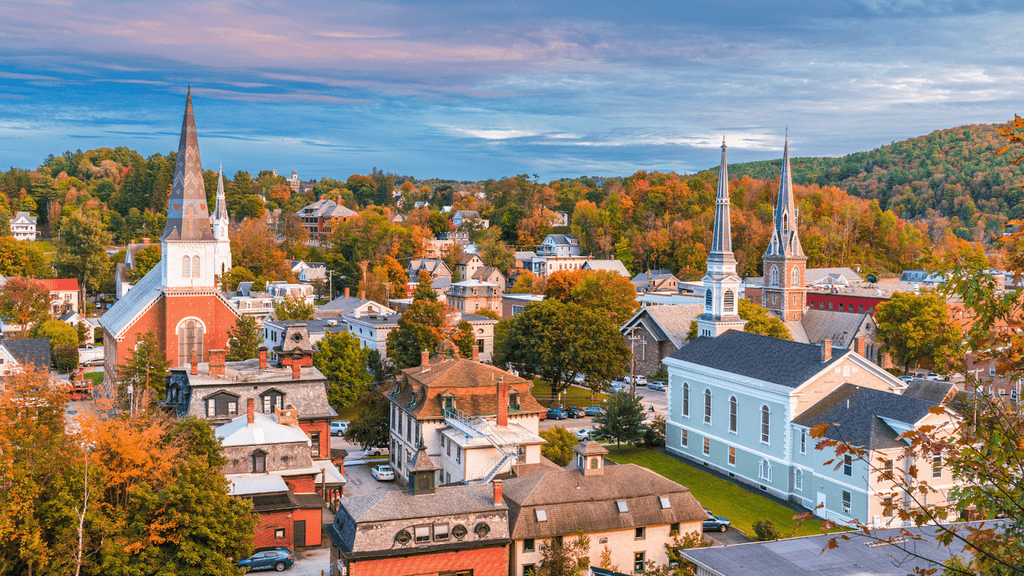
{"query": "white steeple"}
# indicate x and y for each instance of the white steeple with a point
(721, 283)
(219, 220)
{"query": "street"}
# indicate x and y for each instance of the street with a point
(648, 398)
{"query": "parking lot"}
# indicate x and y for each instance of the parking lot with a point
(648, 398)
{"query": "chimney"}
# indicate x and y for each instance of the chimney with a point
(498, 497)
(476, 353)
(217, 362)
(826, 350)
(296, 370)
(263, 357)
(362, 294)
(502, 415)
(195, 363)
(145, 240)
(424, 361)
(346, 291)
(251, 412)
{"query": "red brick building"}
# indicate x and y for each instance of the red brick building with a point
(178, 299)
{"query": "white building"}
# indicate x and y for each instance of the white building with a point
(23, 226)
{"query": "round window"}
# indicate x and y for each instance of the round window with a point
(459, 531)
(482, 529)
(403, 537)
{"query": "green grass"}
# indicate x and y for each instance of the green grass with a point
(741, 506)
(96, 377)
(573, 396)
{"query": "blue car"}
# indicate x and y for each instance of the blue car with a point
(715, 523)
(556, 413)
(593, 411)
(277, 558)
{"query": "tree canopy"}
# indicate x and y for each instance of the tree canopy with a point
(622, 418)
(244, 339)
(914, 327)
(343, 361)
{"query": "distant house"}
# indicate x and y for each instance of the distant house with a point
(274, 331)
(23, 226)
(435, 267)
(307, 272)
(655, 332)
(559, 245)
(371, 328)
(24, 353)
(512, 304)
(471, 296)
(345, 305)
(490, 274)
(281, 290)
(469, 219)
(319, 217)
(63, 295)
(656, 281)
(468, 264)
(609, 265)
(841, 276)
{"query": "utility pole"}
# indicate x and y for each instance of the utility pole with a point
(632, 359)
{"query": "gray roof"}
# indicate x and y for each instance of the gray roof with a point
(653, 275)
(769, 359)
(839, 327)
(807, 556)
(814, 275)
(929, 390)
(384, 506)
(610, 265)
(570, 499)
(314, 326)
(133, 304)
(345, 304)
(562, 239)
(667, 322)
(859, 414)
(29, 351)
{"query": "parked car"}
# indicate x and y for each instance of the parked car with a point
(557, 413)
(616, 386)
(584, 433)
(656, 385)
(640, 380)
(593, 411)
(275, 558)
(715, 523)
(376, 451)
(382, 473)
(906, 377)
(338, 427)
(575, 412)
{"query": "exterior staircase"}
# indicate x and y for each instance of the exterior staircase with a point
(474, 427)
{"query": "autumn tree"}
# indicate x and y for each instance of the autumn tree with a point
(253, 247)
(81, 250)
(63, 343)
(913, 327)
(567, 556)
(425, 325)
(343, 362)
(559, 445)
(23, 302)
(244, 339)
(528, 283)
(143, 261)
(600, 290)
(759, 321)
(293, 308)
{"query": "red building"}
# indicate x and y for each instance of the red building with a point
(178, 300)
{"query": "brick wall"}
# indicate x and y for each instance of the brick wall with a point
(268, 524)
(491, 561)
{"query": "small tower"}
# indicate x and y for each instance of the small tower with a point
(721, 283)
(219, 221)
(785, 264)
(422, 473)
(590, 458)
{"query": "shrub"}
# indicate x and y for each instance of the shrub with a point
(766, 529)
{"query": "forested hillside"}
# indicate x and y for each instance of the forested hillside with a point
(951, 173)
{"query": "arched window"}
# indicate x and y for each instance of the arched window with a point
(732, 414)
(765, 471)
(185, 266)
(686, 399)
(766, 427)
(190, 337)
(773, 277)
(785, 221)
(707, 299)
(796, 276)
(195, 266)
(259, 461)
(729, 301)
(798, 480)
(707, 406)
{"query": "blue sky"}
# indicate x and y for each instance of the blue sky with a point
(471, 90)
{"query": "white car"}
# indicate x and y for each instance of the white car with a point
(382, 473)
(583, 433)
(338, 427)
(376, 451)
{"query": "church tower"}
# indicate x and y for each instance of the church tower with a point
(189, 246)
(219, 218)
(721, 283)
(785, 264)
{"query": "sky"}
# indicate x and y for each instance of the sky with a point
(473, 90)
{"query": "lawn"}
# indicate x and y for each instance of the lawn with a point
(722, 497)
(573, 396)
(96, 377)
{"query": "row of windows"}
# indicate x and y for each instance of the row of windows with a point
(226, 404)
(190, 267)
(764, 470)
(733, 413)
(773, 276)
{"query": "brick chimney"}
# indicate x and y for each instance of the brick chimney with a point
(424, 361)
(362, 294)
(195, 363)
(296, 370)
(476, 353)
(498, 497)
(502, 415)
(217, 362)
(263, 357)
(251, 412)
(145, 240)
(826, 350)
(346, 291)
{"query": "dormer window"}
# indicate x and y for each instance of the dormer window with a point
(259, 462)
(665, 504)
(449, 403)
(513, 401)
(542, 515)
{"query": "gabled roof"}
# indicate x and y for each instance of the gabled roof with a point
(24, 217)
(653, 275)
(265, 429)
(609, 265)
(669, 322)
(29, 351)
(930, 390)
(134, 303)
(839, 327)
(861, 415)
(59, 284)
(467, 258)
(769, 359)
(570, 499)
(815, 275)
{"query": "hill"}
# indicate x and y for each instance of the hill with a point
(949, 173)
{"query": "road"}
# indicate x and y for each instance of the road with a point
(648, 398)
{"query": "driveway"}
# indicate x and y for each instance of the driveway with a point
(359, 482)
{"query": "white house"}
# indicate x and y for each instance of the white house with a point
(23, 226)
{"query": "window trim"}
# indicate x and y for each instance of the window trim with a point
(766, 425)
(707, 406)
(733, 414)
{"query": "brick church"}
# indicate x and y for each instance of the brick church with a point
(179, 299)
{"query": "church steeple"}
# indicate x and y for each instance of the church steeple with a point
(222, 257)
(785, 264)
(721, 283)
(187, 217)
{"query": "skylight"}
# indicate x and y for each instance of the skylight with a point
(623, 506)
(542, 515)
(665, 503)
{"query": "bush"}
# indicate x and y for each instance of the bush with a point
(654, 434)
(766, 529)
(560, 443)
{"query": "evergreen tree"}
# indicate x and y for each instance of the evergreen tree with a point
(244, 339)
(622, 418)
(344, 362)
(81, 250)
(146, 372)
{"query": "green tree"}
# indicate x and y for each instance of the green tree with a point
(244, 339)
(559, 445)
(759, 321)
(622, 418)
(344, 362)
(558, 340)
(566, 556)
(293, 308)
(143, 262)
(371, 428)
(495, 252)
(145, 371)
(423, 291)
(422, 327)
(81, 250)
(913, 327)
(23, 302)
(63, 343)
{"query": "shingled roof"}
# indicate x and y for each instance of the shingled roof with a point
(839, 327)
(769, 359)
(861, 415)
(569, 500)
(667, 322)
(29, 351)
(473, 384)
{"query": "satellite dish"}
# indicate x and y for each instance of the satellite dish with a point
(872, 279)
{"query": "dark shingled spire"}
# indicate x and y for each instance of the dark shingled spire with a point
(187, 215)
(785, 241)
